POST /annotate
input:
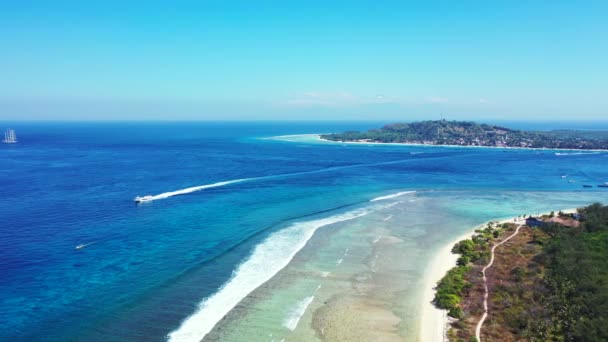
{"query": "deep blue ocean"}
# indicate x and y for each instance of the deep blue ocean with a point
(144, 268)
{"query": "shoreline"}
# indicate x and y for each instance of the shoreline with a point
(318, 137)
(434, 322)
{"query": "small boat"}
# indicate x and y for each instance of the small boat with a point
(83, 245)
(140, 199)
(587, 186)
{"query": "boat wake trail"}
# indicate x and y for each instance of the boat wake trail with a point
(266, 260)
(262, 178)
(195, 188)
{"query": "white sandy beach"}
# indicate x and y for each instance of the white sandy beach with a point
(317, 136)
(434, 321)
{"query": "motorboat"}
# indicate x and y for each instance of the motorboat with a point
(140, 199)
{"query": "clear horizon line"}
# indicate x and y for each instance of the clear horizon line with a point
(288, 120)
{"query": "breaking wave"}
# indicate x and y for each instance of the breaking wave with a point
(574, 153)
(293, 318)
(392, 196)
(266, 260)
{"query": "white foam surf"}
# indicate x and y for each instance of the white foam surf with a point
(392, 196)
(293, 318)
(574, 153)
(373, 263)
(266, 260)
(393, 204)
(387, 218)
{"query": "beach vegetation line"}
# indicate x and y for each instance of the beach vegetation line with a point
(547, 283)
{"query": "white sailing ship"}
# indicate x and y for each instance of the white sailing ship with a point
(9, 137)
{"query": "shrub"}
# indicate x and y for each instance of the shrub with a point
(463, 260)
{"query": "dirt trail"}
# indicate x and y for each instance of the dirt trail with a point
(485, 285)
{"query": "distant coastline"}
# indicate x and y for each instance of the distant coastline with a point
(319, 136)
(472, 134)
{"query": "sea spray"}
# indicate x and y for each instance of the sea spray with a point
(267, 259)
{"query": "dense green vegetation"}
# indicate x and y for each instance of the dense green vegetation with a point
(553, 285)
(450, 289)
(464, 133)
(453, 286)
(577, 278)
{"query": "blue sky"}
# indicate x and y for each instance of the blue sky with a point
(376, 60)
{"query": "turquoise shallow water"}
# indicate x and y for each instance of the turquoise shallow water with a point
(147, 268)
(363, 279)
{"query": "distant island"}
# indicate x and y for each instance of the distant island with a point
(465, 133)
